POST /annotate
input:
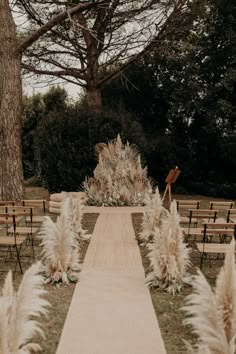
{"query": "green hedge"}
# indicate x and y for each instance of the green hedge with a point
(65, 143)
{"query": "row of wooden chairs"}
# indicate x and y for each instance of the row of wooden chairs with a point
(216, 239)
(20, 222)
(191, 213)
(196, 204)
(212, 229)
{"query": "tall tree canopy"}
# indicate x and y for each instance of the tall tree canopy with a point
(86, 50)
(184, 96)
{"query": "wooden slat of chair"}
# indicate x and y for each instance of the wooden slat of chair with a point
(220, 225)
(201, 213)
(222, 205)
(186, 202)
(7, 202)
(19, 209)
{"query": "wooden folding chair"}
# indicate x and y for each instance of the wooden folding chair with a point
(29, 231)
(223, 208)
(183, 207)
(39, 206)
(199, 216)
(216, 238)
(13, 242)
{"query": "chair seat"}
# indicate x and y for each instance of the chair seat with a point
(185, 220)
(10, 240)
(193, 231)
(23, 230)
(217, 220)
(213, 247)
(35, 219)
(7, 221)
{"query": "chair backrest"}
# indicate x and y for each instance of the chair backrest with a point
(36, 203)
(187, 204)
(221, 205)
(203, 213)
(20, 211)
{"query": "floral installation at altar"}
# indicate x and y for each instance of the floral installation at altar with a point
(119, 178)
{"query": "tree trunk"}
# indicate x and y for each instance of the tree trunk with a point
(94, 98)
(11, 170)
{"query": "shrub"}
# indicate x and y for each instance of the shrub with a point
(66, 144)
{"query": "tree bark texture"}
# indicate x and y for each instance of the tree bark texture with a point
(94, 99)
(11, 170)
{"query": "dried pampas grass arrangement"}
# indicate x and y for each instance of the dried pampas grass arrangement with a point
(119, 178)
(18, 313)
(212, 314)
(60, 246)
(168, 254)
(73, 209)
(152, 216)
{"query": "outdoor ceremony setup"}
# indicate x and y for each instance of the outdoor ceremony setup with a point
(117, 177)
(111, 308)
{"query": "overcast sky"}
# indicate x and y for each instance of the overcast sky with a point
(29, 89)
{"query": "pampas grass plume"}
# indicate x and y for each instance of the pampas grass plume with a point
(212, 314)
(18, 312)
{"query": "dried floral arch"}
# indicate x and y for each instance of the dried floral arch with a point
(119, 178)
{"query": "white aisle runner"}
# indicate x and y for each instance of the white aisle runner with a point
(111, 310)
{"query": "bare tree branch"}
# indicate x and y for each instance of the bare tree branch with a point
(26, 42)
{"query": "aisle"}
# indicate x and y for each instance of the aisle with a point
(111, 310)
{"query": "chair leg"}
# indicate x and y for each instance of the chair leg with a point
(201, 264)
(32, 245)
(18, 259)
